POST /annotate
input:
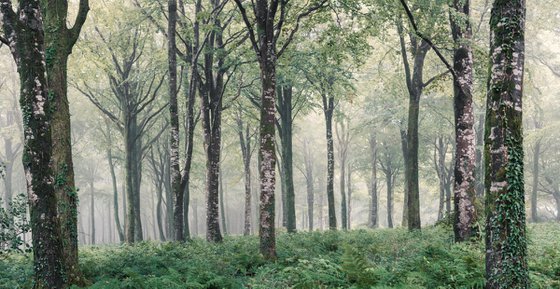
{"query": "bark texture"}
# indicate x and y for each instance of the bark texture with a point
(25, 35)
(464, 192)
(506, 241)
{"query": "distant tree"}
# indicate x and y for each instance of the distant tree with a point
(506, 240)
(134, 90)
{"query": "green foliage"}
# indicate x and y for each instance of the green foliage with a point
(356, 259)
(13, 225)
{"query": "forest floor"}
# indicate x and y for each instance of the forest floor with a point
(356, 259)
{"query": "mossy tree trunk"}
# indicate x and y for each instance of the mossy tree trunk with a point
(24, 34)
(59, 42)
(506, 241)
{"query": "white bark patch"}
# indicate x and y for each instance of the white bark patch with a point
(39, 105)
(498, 186)
(32, 197)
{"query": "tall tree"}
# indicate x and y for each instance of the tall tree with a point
(373, 220)
(264, 33)
(506, 241)
(343, 137)
(59, 41)
(24, 34)
(464, 188)
(134, 90)
(308, 162)
(246, 142)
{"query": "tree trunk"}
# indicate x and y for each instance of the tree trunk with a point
(535, 187)
(328, 109)
(175, 169)
(440, 151)
(285, 93)
(373, 208)
(308, 162)
(506, 241)
(464, 192)
(59, 41)
(115, 190)
(245, 143)
(389, 180)
(404, 147)
(27, 42)
(223, 216)
(349, 197)
(92, 210)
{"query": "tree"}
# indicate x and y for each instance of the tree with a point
(464, 188)
(373, 220)
(24, 34)
(134, 90)
(264, 34)
(506, 241)
(246, 144)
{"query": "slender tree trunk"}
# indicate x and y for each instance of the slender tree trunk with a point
(440, 150)
(92, 210)
(223, 216)
(285, 93)
(349, 197)
(535, 187)
(373, 207)
(308, 162)
(245, 143)
(506, 241)
(404, 147)
(389, 180)
(115, 190)
(465, 156)
(174, 120)
(328, 109)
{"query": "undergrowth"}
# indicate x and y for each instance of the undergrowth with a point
(356, 259)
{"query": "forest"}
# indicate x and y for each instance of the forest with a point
(279, 144)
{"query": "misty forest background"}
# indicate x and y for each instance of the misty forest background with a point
(347, 70)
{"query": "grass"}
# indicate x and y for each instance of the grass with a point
(356, 259)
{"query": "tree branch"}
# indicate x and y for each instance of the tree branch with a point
(426, 39)
(249, 26)
(293, 32)
(79, 23)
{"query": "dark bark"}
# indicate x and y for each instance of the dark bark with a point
(390, 170)
(175, 170)
(464, 192)
(415, 85)
(328, 110)
(285, 127)
(506, 241)
(59, 41)
(404, 148)
(25, 35)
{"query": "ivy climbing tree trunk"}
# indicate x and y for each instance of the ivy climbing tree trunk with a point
(59, 41)
(24, 35)
(506, 241)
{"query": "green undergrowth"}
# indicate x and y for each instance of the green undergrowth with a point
(356, 259)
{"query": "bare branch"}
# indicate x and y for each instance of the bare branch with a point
(79, 23)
